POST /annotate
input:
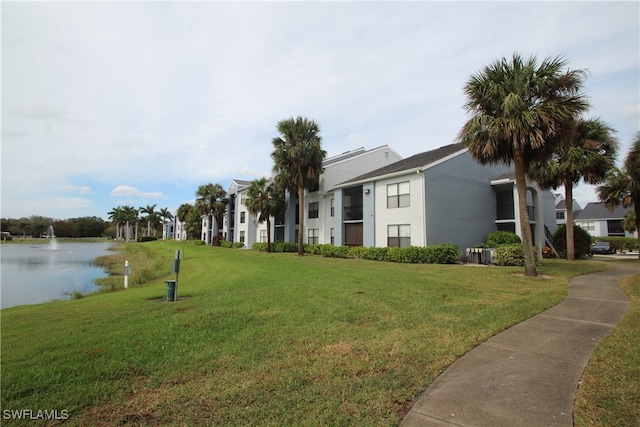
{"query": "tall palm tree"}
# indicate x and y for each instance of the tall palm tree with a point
(264, 200)
(516, 106)
(129, 215)
(211, 200)
(585, 149)
(165, 215)
(622, 186)
(150, 211)
(116, 215)
(182, 213)
(298, 158)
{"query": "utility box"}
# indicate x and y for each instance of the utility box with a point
(171, 290)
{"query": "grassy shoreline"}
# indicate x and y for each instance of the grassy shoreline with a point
(263, 339)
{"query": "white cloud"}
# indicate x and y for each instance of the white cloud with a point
(172, 95)
(75, 189)
(128, 191)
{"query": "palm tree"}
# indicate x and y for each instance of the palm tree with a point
(130, 214)
(298, 158)
(264, 200)
(182, 213)
(517, 106)
(622, 186)
(165, 215)
(150, 211)
(585, 149)
(117, 215)
(211, 200)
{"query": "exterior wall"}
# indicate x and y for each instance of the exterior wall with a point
(352, 167)
(460, 201)
(249, 226)
(412, 215)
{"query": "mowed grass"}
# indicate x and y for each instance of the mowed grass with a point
(263, 339)
(609, 392)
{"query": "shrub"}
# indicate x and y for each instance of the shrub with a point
(331, 251)
(198, 242)
(259, 246)
(581, 241)
(509, 255)
(498, 238)
(284, 247)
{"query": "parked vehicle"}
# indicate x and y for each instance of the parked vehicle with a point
(603, 248)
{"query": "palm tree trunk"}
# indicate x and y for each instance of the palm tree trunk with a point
(568, 195)
(300, 221)
(525, 227)
(268, 235)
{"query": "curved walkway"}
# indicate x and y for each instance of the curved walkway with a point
(528, 374)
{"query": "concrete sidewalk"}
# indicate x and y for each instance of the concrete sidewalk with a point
(528, 374)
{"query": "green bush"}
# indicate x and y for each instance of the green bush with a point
(284, 247)
(330, 251)
(581, 241)
(259, 246)
(509, 255)
(499, 238)
(199, 242)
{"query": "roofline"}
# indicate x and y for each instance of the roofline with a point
(419, 169)
(360, 154)
(443, 159)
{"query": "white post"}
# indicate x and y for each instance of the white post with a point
(127, 271)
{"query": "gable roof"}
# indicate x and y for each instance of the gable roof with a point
(417, 161)
(599, 211)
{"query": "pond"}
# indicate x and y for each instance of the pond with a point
(35, 273)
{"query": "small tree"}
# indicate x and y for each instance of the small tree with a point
(264, 200)
(581, 241)
(622, 186)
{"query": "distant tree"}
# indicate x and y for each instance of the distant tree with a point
(298, 157)
(622, 186)
(116, 215)
(264, 200)
(151, 217)
(517, 106)
(585, 150)
(629, 222)
(166, 216)
(130, 215)
(211, 200)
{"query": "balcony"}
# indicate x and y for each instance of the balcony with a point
(353, 213)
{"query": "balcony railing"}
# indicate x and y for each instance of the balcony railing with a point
(352, 213)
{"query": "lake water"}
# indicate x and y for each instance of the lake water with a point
(33, 273)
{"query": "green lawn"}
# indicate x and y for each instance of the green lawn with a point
(263, 339)
(609, 392)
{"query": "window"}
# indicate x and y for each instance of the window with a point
(312, 236)
(242, 217)
(263, 236)
(399, 235)
(560, 215)
(332, 236)
(332, 208)
(313, 209)
(243, 197)
(589, 226)
(398, 195)
(242, 236)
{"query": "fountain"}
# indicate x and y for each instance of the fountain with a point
(53, 243)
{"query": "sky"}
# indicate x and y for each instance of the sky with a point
(139, 103)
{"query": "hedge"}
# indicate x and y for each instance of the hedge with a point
(620, 243)
(511, 255)
(436, 254)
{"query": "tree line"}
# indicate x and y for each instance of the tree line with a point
(38, 226)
